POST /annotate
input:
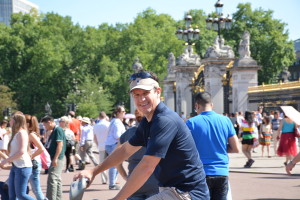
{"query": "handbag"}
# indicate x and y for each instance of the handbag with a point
(46, 159)
(297, 132)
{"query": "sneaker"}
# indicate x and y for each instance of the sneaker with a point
(247, 165)
(251, 161)
(115, 187)
(71, 169)
(66, 171)
(81, 166)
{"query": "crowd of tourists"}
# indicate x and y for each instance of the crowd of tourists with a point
(258, 128)
(169, 156)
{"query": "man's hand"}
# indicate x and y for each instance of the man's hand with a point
(54, 163)
(89, 174)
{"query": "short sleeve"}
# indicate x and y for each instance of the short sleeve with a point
(138, 138)
(60, 135)
(162, 133)
(231, 130)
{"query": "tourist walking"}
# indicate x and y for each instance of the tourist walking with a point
(21, 168)
(36, 148)
(287, 140)
(56, 146)
(75, 126)
(265, 135)
(275, 122)
(100, 135)
(150, 187)
(86, 141)
(215, 137)
(70, 142)
(115, 130)
(246, 132)
(170, 148)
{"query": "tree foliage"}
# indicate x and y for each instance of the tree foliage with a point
(269, 42)
(47, 58)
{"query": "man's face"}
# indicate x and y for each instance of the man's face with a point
(48, 125)
(276, 116)
(146, 101)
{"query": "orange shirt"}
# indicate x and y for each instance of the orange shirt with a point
(75, 127)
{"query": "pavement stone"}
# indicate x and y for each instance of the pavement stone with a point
(273, 165)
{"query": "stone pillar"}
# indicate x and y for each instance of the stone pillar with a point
(244, 75)
(169, 98)
(214, 71)
(181, 73)
(184, 76)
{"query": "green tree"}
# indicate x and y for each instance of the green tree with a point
(269, 41)
(6, 98)
(90, 98)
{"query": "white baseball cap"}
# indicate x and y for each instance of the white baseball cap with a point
(144, 84)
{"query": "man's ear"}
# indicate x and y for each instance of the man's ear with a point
(158, 90)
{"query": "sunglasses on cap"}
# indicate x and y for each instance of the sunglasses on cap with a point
(141, 75)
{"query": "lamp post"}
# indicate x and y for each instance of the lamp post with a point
(216, 21)
(189, 34)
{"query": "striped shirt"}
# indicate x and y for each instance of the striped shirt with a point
(247, 131)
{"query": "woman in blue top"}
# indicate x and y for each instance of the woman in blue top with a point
(287, 145)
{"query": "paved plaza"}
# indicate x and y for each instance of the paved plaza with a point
(265, 180)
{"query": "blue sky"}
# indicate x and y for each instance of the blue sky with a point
(96, 12)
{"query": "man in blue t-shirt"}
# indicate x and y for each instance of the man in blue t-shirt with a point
(170, 150)
(214, 136)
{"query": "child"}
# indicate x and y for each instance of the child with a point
(265, 135)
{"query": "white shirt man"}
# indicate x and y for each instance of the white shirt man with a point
(100, 135)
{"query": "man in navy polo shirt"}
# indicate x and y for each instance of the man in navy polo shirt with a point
(170, 150)
(214, 136)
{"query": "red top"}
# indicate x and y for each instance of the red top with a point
(75, 127)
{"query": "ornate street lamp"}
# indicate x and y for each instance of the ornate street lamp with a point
(189, 34)
(216, 21)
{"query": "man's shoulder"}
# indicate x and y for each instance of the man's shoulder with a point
(58, 129)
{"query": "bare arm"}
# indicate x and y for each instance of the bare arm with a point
(139, 176)
(3, 155)
(120, 168)
(95, 139)
(58, 151)
(36, 141)
(118, 155)
(233, 145)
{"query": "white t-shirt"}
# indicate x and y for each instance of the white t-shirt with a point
(24, 160)
(101, 132)
(4, 139)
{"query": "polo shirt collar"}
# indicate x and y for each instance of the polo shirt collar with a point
(210, 112)
(159, 108)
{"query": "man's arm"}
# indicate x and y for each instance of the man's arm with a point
(95, 139)
(138, 177)
(118, 155)
(120, 167)
(233, 145)
(58, 151)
